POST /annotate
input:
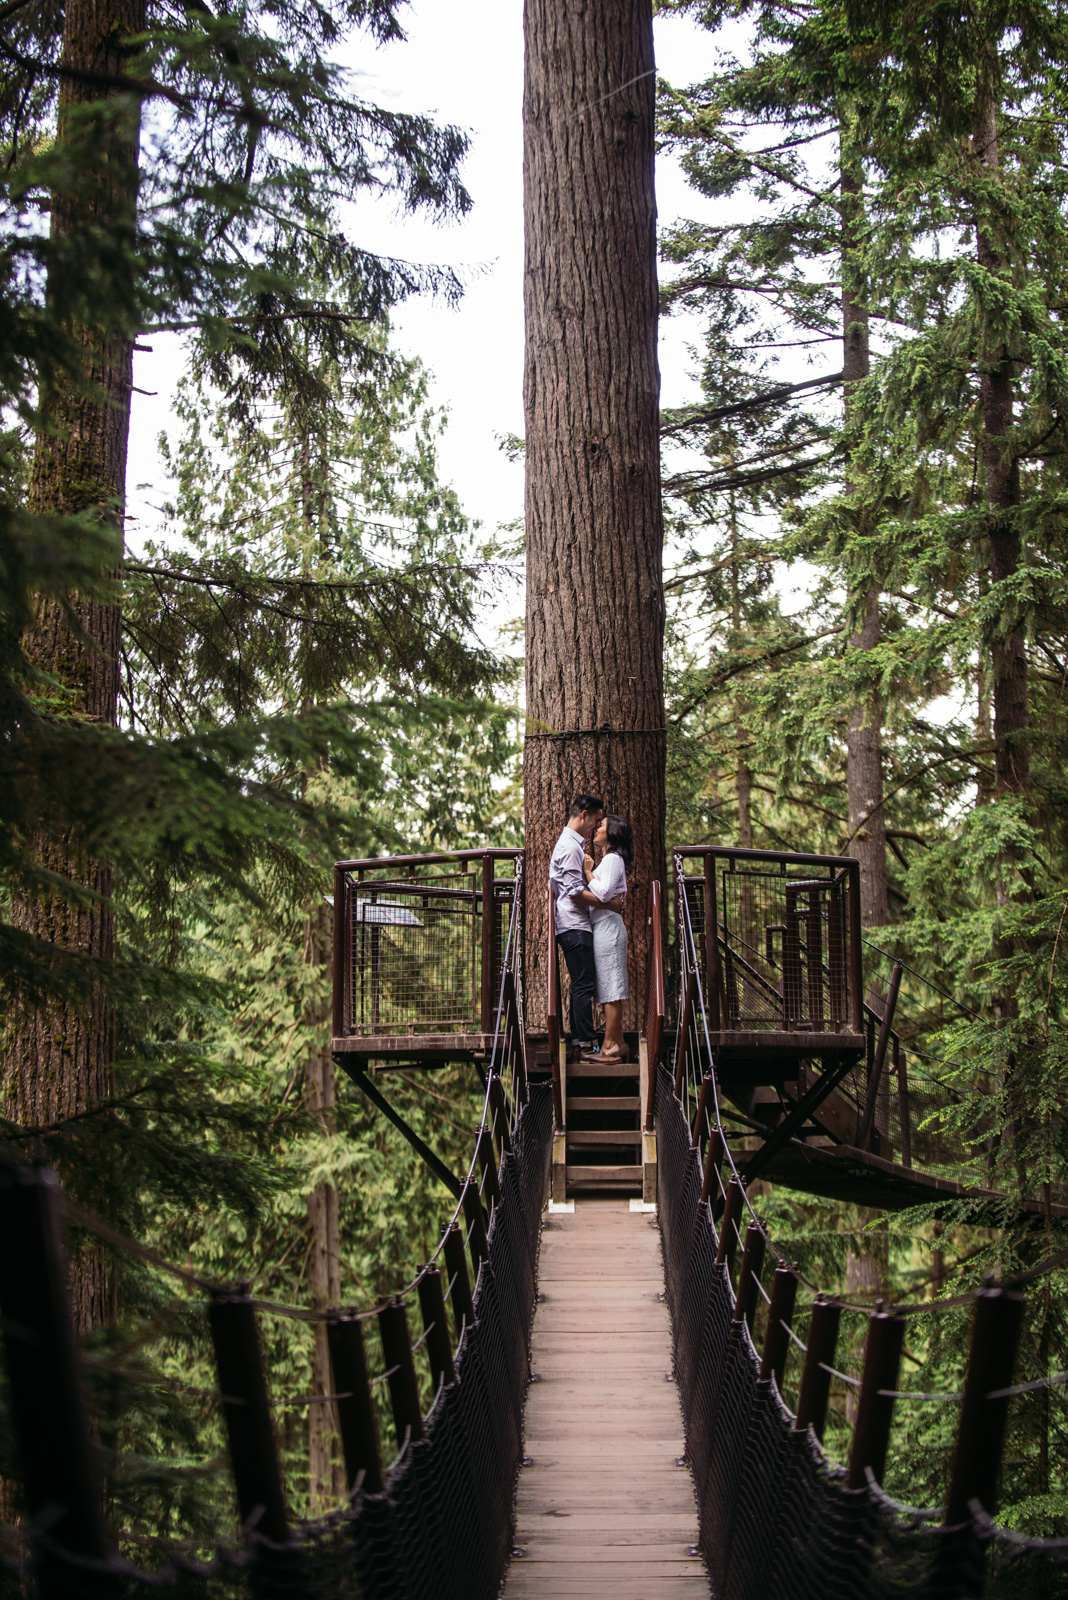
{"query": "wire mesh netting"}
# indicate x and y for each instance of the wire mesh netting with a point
(442, 1526)
(777, 1521)
(414, 949)
(783, 938)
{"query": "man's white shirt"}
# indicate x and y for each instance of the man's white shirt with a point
(567, 879)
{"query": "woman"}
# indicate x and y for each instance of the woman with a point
(605, 882)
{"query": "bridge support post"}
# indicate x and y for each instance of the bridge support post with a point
(476, 1228)
(403, 1387)
(713, 1162)
(355, 1409)
(749, 1275)
(487, 1160)
(780, 1317)
(463, 1307)
(253, 1452)
(875, 1406)
(47, 1404)
(985, 1403)
(728, 1226)
(436, 1328)
(815, 1378)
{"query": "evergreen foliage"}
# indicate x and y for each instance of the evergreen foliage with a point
(938, 486)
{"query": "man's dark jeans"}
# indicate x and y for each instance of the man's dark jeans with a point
(578, 953)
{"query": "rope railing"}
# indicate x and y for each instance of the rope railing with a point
(778, 1518)
(437, 1520)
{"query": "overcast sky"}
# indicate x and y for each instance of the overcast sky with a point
(463, 61)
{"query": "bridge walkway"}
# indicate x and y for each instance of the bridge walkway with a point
(603, 1509)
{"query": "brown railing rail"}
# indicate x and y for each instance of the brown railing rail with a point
(552, 1005)
(655, 999)
(810, 904)
(417, 942)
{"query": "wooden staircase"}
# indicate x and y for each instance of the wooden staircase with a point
(603, 1119)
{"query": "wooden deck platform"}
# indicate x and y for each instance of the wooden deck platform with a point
(603, 1509)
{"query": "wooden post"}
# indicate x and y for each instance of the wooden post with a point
(463, 1310)
(488, 942)
(499, 1108)
(904, 1109)
(875, 1405)
(728, 1238)
(487, 1160)
(684, 1032)
(856, 959)
(45, 1392)
(868, 1119)
(476, 1228)
(815, 1379)
(239, 1363)
(403, 1387)
(985, 1405)
(749, 1275)
(340, 1020)
(436, 1328)
(702, 1108)
(713, 1162)
(780, 1317)
(713, 978)
(355, 1409)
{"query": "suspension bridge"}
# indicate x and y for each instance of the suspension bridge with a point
(608, 1378)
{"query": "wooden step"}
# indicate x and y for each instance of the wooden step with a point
(591, 1102)
(605, 1178)
(604, 1136)
(603, 1069)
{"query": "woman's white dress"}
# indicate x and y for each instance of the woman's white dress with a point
(609, 930)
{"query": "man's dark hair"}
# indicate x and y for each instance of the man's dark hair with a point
(620, 838)
(586, 802)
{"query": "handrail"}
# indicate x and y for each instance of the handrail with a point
(552, 1006)
(738, 854)
(405, 879)
(654, 997)
(499, 854)
(710, 854)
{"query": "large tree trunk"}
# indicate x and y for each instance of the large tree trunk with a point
(867, 818)
(57, 1060)
(1009, 691)
(594, 523)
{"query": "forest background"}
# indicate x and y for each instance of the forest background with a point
(866, 645)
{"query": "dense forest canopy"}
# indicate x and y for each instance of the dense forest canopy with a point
(866, 644)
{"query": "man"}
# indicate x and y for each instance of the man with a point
(574, 931)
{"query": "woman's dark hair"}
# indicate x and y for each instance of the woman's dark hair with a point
(620, 837)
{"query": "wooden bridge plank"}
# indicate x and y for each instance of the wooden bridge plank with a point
(603, 1510)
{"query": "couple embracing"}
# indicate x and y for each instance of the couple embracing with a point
(589, 926)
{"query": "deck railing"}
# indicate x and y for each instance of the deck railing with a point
(418, 942)
(786, 955)
(655, 996)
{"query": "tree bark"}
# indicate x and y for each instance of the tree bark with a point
(1009, 687)
(594, 522)
(57, 1059)
(864, 780)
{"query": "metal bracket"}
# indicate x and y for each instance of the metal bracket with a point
(377, 1098)
(827, 1081)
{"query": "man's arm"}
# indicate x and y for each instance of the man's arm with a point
(591, 898)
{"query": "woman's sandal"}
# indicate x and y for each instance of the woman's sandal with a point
(614, 1055)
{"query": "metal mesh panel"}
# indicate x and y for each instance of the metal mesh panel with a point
(414, 952)
(783, 943)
